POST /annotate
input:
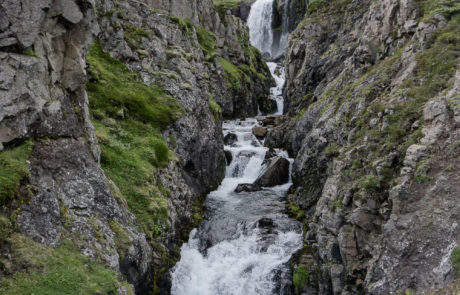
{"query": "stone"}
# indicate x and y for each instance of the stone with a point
(230, 139)
(228, 157)
(259, 132)
(277, 173)
(247, 187)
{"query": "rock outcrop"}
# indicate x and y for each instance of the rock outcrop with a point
(277, 172)
(118, 170)
(372, 108)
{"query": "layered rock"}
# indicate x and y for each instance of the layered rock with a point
(371, 96)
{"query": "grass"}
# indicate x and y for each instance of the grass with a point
(30, 53)
(132, 146)
(117, 88)
(232, 73)
(300, 278)
(42, 270)
(13, 168)
(455, 259)
(214, 107)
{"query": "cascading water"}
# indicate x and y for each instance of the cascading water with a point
(260, 25)
(244, 244)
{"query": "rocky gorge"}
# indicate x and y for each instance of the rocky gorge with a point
(112, 134)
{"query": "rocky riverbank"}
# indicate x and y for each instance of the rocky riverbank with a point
(372, 100)
(110, 126)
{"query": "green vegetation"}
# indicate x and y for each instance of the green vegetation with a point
(455, 259)
(42, 270)
(133, 36)
(114, 87)
(214, 107)
(13, 168)
(232, 72)
(30, 53)
(370, 184)
(221, 6)
(301, 278)
(295, 210)
(315, 5)
(205, 38)
(444, 7)
(128, 116)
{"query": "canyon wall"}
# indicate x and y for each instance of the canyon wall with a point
(110, 131)
(372, 97)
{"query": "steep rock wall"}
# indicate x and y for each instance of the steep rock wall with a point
(154, 79)
(372, 99)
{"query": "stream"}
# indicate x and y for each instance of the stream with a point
(246, 240)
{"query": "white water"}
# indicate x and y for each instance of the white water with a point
(277, 91)
(244, 244)
(230, 253)
(260, 25)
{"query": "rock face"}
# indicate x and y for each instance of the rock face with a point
(374, 146)
(277, 173)
(188, 53)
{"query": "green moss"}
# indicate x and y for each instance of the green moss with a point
(295, 210)
(30, 53)
(122, 239)
(232, 73)
(301, 278)
(455, 259)
(207, 41)
(115, 87)
(132, 146)
(315, 5)
(370, 184)
(13, 168)
(42, 270)
(133, 36)
(214, 107)
(332, 150)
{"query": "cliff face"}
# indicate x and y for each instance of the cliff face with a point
(110, 126)
(373, 96)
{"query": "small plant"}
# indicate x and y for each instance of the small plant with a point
(30, 53)
(455, 259)
(214, 107)
(370, 184)
(301, 278)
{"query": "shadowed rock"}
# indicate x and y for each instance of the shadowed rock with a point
(247, 187)
(277, 173)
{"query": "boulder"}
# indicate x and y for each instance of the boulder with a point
(272, 120)
(259, 132)
(277, 173)
(230, 139)
(247, 187)
(268, 106)
(228, 157)
(270, 154)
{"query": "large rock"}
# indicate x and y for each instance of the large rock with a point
(247, 187)
(230, 139)
(277, 173)
(259, 132)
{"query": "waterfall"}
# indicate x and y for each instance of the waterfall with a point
(244, 244)
(260, 25)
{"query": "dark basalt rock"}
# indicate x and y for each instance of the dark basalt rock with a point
(230, 139)
(277, 173)
(228, 157)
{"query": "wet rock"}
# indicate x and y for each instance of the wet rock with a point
(266, 223)
(228, 157)
(268, 106)
(259, 132)
(247, 187)
(270, 154)
(277, 173)
(272, 120)
(230, 139)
